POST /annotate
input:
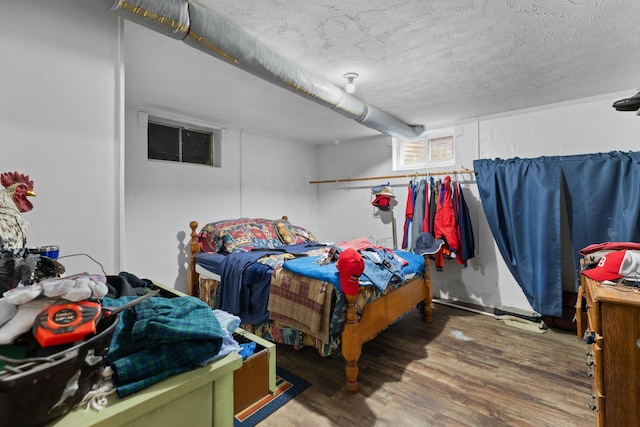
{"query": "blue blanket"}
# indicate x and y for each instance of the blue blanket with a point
(310, 267)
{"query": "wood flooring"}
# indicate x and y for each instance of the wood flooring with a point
(464, 369)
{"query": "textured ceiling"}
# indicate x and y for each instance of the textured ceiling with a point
(432, 63)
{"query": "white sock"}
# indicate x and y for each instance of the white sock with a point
(23, 320)
(7, 311)
(55, 287)
(23, 294)
(79, 291)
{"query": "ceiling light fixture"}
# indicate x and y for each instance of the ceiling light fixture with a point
(350, 87)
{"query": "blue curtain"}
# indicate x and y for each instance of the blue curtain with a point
(521, 199)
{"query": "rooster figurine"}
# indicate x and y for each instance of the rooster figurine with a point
(16, 264)
(13, 202)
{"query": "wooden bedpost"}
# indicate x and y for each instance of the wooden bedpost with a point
(194, 248)
(428, 309)
(379, 314)
(351, 344)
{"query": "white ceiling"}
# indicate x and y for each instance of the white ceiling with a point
(433, 63)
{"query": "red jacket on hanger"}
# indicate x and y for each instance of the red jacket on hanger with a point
(444, 226)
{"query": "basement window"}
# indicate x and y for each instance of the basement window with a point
(179, 142)
(436, 148)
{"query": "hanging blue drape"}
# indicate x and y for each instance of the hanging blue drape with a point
(603, 198)
(521, 199)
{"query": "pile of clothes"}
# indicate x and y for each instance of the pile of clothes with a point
(153, 339)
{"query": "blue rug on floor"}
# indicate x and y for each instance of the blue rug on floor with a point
(288, 386)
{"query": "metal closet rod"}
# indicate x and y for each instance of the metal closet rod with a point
(393, 176)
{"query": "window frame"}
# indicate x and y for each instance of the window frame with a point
(184, 126)
(398, 147)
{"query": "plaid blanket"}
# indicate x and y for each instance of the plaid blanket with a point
(161, 337)
(301, 302)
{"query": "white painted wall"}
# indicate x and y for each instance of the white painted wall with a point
(59, 85)
(578, 127)
(259, 176)
(161, 198)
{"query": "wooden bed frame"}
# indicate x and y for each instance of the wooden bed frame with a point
(375, 316)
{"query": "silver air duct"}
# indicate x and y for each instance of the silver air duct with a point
(202, 29)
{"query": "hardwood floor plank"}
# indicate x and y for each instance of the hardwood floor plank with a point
(464, 369)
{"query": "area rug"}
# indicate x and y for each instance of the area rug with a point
(288, 386)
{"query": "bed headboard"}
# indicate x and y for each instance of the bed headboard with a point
(232, 234)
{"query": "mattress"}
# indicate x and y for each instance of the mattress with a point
(206, 274)
(209, 265)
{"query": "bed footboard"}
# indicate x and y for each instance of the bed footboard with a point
(379, 314)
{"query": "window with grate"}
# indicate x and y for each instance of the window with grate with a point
(177, 142)
(437, 148)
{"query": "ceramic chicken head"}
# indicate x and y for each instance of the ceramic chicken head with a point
(19, 186)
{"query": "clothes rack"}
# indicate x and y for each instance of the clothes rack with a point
(412, 175)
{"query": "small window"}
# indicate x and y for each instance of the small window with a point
(178, 143)
(437, 148)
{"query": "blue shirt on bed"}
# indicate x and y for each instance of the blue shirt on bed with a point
(310, 267)
(245, 286)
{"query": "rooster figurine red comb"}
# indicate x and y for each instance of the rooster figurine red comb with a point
(13, 202)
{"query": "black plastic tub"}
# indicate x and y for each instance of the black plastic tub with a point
(36, 392)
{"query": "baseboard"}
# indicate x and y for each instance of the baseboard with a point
(465, 306)
(565, 322)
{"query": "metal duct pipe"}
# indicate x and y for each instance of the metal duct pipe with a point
(202, 29)
(168, 17)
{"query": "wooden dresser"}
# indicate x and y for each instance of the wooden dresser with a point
(608, 319)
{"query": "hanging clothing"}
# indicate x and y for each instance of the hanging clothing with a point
(408, 215)
(418, 212)
(427, 213)
(466, 238)
(445, 220)
(433, 205)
